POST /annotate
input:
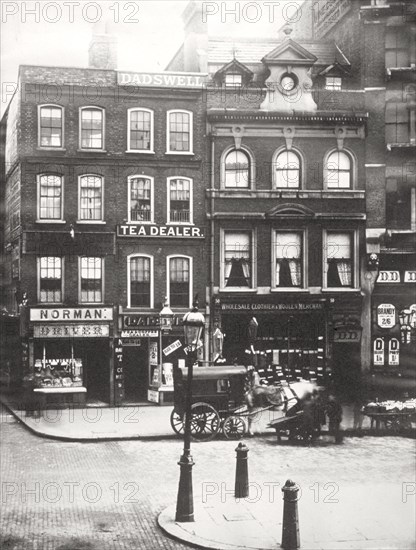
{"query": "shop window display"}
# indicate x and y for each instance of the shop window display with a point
(57, 373)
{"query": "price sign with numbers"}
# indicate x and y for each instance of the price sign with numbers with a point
(378, 351)
(386, 315)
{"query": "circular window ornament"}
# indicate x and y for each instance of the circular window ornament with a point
(288, 82)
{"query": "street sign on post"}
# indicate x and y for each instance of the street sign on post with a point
(171, 348)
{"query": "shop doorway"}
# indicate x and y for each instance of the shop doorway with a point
(94, 354)
(135, 369)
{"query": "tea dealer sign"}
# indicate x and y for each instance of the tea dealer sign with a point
(169, 231)
(386, 315)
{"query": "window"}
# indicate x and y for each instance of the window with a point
(179, 200)
(50, 126)
(141, 199)
(397, 47)
(400, 203)
(233, 80)
(179, 133)
(333, 83)
(91, 198)
(179, 291)
(237, 260)
(50, 279)
(288, 259)
(338, 171)
(339, 260)
(92, 128)
(91, 280)
(49, 197)
(237, 170)
(140, 279)
(287, 170)
(140, 130)
(397, 123)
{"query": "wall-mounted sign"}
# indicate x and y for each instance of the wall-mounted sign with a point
(72, 314)
(132, 342)
(171, 231)
(410, 276)
(139, 333)
(327, 13)
(118, 371)
(378, 348)
(388, 277)
(71, 331)
(137, 320)
(394, 350)
(273, 307)
(386, 315)
(153, 354)
(170, 349)
(153, 396)
(162, 80)
(346, 335)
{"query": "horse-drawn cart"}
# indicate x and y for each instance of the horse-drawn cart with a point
(217, 402)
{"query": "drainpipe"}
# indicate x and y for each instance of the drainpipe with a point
(212, 238)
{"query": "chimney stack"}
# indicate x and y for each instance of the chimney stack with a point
(103, 49)
(196, 38)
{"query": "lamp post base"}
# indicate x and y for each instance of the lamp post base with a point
(185, 501)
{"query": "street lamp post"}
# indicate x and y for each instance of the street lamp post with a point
(193, 323)
(165, 322)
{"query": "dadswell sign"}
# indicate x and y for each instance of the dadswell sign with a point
(162, 80)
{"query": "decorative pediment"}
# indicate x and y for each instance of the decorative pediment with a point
(289, 53)
(234, 67)
(290, 210)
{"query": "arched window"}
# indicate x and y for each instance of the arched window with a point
(140, 281)
(91, 198)
(287, 170)
(338, 171)
(237, 170)
(179, 280)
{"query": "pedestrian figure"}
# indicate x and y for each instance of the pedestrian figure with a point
(334, 413)
(312, 417)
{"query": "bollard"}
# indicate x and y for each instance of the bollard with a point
(241, 472)
(290, 528)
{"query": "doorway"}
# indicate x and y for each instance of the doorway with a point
(135, 368)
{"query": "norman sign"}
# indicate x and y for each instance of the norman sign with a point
(168, 80)
(177, 231)
(72, 314)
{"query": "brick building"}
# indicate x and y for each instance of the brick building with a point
(104, 217)
(286, 200)
(379, 38)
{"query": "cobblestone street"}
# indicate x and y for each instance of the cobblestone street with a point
(76, 496)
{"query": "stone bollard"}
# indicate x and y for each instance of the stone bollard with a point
(241, 472)
(290, 527)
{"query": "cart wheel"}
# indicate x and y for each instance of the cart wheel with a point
(177, 422)
(205, 422)
(234, 427)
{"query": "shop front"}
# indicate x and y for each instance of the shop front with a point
(70, 354)
(146, 355)
(394, 327)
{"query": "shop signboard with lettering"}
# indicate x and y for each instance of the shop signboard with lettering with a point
(386, 316)
(71, 314)
(170, 349)
(71, 331)
(164, 231)
(153, 396)
(139, 333)
(388, 277)
(378, 358)
(410, 276)
(162, 80)
(394, 349)
(118, 371)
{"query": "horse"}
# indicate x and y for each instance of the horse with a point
(280, 397)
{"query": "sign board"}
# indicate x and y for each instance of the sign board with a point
(346, 335)
(273, 307)
(388, 277)
(175, 231)
(162, 80)
(410, 276)
(327, 13)
(129, 342)
(139, 333)
(170, 349)
(153, 354)
(72, 314)
(386, 315)
(394, 349)
(71, 331)
(153, 396)
(378, 358)
(118, 371)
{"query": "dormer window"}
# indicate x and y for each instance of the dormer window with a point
(333, 83)
(233, 80)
